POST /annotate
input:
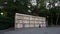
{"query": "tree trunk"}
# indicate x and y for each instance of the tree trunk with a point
(51, 20)
(57, 19)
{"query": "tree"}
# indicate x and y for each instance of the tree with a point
(39, 8)
(53, 10)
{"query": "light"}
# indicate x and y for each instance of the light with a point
(51, 6)
(33, 2)
(29, 11)
(29, 6)
(5, 2)
(2, 13)
(14, 0)
(47, 3)
(56, 4)
(1, 7)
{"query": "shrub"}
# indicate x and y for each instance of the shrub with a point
(5, 22)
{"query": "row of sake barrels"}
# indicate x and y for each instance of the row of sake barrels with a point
(29, 25)
(30, 18)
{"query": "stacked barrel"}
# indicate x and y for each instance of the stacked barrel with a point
(26, 21)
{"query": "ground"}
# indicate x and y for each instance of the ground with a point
(48, 30)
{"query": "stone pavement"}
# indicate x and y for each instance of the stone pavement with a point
(49, 30)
